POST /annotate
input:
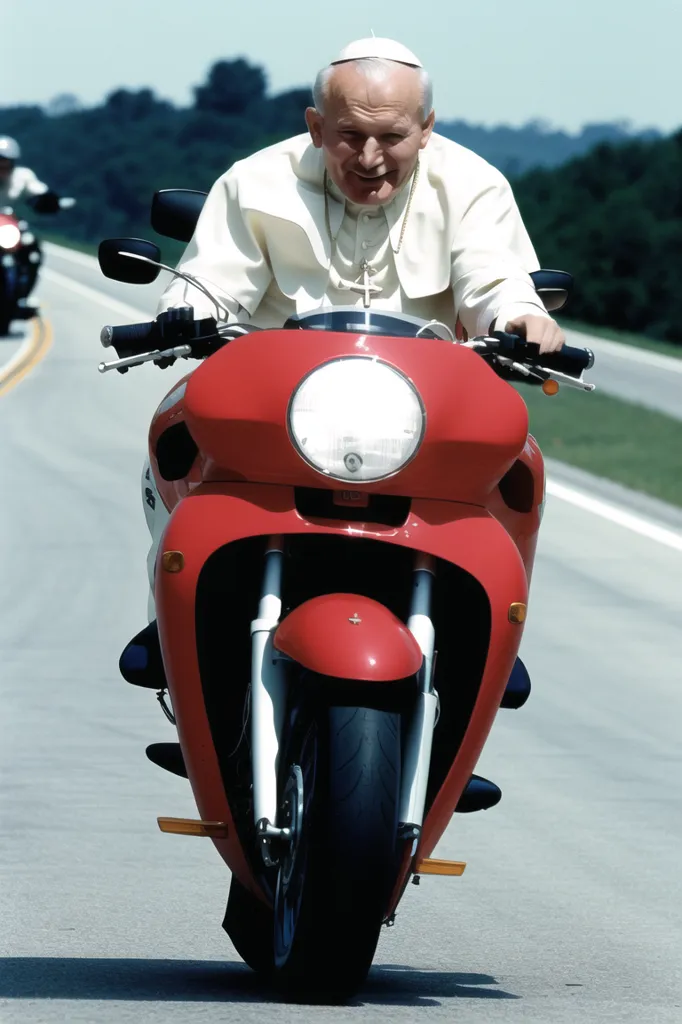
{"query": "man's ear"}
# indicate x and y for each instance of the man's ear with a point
(315, 121)
(427, 128)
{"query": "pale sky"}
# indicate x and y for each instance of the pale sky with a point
(492, 61)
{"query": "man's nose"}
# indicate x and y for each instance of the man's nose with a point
(371, 155)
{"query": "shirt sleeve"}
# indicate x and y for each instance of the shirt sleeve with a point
(492, 258)
(29, 184)
(227, 253)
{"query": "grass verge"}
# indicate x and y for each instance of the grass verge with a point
(619, 440)
(664, 348)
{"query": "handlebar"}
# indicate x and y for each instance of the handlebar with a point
(133, 338)
(568, 360)
(175, 334)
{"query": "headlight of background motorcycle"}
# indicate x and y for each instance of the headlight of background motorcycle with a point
(10, 236)
(356, 419)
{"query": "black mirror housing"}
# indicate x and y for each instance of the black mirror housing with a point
(175, 212)
(115, 264)
(554, 288)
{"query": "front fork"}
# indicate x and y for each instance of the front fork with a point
(269, 696)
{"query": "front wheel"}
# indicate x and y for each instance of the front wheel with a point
(334, 882)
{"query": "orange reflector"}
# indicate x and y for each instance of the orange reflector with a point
(173, 561)
(191, 827)
(440, 867)
(550, 387)
(517, 612)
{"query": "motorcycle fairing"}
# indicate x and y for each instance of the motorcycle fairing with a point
(215, 516)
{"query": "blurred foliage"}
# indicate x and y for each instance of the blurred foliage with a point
(611, 216)
(113, 157)
(613, 219)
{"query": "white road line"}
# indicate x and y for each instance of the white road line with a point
(83, 259)
(94, 295)
(604, 510)
(616, 514)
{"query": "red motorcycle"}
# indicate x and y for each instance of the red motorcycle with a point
(21, 257)
(341, 589)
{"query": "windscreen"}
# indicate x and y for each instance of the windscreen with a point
(367, 321)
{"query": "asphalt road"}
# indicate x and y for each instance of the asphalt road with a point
(570, 907)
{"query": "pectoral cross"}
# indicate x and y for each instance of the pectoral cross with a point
(366, 289)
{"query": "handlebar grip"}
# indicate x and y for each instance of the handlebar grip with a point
(569, 360)
(133, 339)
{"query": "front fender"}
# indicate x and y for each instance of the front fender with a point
(347, 636)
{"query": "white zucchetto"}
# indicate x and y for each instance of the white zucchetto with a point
(388, 49)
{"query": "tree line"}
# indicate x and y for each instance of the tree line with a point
(611, 216)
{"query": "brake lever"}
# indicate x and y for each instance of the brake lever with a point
(146, 357)
(543, 374)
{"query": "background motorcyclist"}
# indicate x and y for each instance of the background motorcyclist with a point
(21, 184)
(16, 183)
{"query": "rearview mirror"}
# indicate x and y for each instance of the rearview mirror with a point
(175, 212)
(117, 260)
(554, 288)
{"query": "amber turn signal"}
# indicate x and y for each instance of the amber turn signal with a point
(550, 387)
(173, 561)
(440, 867)
(192, 827)
(517, 612)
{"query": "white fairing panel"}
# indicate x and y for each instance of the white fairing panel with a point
(157, 516)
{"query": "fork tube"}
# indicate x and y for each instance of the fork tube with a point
(416, 760)
(268, 688)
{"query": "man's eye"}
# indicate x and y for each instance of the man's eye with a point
(394, 137)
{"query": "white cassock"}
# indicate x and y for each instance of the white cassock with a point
(268, 245)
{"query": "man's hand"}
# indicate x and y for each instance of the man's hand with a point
(539, 330)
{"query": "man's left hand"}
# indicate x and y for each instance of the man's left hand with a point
(539, 330)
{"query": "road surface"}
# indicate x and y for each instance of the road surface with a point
(570, 907)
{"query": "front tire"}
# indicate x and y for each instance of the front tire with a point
(334, 885)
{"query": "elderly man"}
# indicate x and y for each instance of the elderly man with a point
(369, 207)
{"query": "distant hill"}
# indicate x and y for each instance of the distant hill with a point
(517, 150)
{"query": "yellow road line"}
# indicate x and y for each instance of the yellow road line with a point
(28, 358)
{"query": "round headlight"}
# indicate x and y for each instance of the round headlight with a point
(10, 236)
(356, 419)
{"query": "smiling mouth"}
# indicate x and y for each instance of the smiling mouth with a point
(369, 178)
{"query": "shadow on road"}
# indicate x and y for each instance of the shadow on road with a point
(397, 985)
(205, 981)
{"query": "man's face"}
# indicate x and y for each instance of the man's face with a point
(371, 132)
(6, 168)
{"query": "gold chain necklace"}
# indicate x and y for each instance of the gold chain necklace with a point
(327, 219)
